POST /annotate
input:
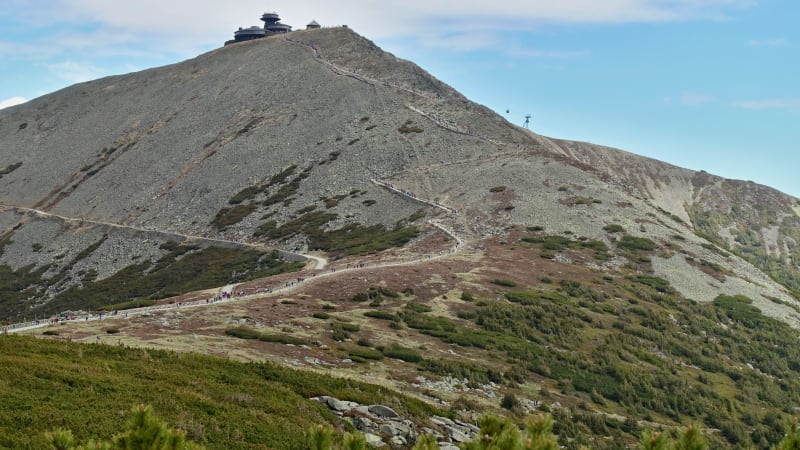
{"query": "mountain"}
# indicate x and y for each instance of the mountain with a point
(563, 272)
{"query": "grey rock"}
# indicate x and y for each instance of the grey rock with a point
(471, 427)
(442, 421)
(364, 424)
(447, 446)
(390, 428)
(341, 405)
(374, 440)
(458, 435)
(383, 411)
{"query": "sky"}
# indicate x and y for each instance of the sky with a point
(708, 85)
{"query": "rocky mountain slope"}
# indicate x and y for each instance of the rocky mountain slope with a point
(167, 148)
(492, 260)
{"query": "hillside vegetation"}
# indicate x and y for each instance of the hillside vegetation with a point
(183, 268)
(221, 404)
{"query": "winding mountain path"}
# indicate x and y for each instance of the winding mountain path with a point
(222, 296)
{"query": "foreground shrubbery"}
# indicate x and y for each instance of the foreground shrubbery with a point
(145, 432)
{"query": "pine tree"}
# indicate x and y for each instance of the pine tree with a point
(144, 432)
(691, 439)
(792, 439)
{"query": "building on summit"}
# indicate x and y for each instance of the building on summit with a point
(247, 34)
(272, 26)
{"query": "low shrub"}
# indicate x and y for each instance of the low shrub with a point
(634, 243)
(351, 327)
(383, 315)
(365, 353)
(613, 228)
(402, 353)
(504, 282)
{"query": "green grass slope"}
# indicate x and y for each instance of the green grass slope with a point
(221, 404)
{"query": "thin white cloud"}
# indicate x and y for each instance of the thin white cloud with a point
(788, 104)
(13, 101)
(777, 42)
(170, 23)
(695, 98)
(154, 29)
(464, 41)
(542, 53)
(75, 72)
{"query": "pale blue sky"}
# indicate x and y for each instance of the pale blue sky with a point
(703, 84)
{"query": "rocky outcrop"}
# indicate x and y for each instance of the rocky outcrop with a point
(384, 427)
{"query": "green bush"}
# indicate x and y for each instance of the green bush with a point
(633, 243)
(613, 228)
(249, 333)
(132, 304)
(245, 194)
(504, 282)
(418, 307)
(282, 339)
(349, 327)
(365, 353)
(407, 127)
(402, 353)
(243, 333)
(231, 216)
(383, 315)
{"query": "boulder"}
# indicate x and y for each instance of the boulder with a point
(364, 424)
(398, 441)
(341, 405)
(442, 421)
(472, 428)
(374, 440)
(390, 428)
(383, 411)
(458, 435)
